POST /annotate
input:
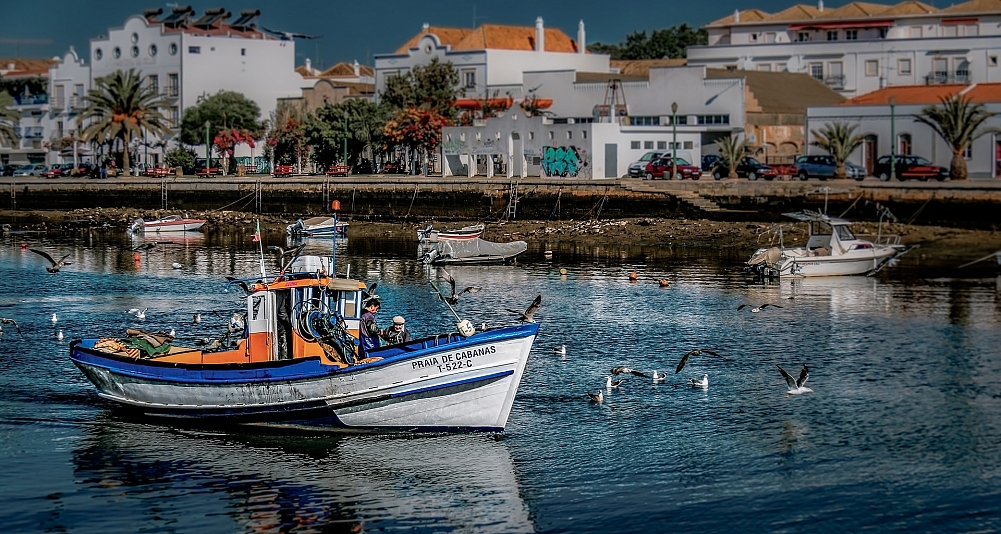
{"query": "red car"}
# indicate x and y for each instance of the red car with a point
(56, 170)
(661, 168)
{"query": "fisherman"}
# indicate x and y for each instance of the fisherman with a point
(397, 333)
(369, 332)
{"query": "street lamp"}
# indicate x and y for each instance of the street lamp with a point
(893, 137)
(345, 137)
(207, 145)
(674, 140)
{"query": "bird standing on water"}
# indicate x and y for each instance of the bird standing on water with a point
(56, 265)
(140, 313)
(696, 383)
(596, 397)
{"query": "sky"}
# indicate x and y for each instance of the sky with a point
(357, 30)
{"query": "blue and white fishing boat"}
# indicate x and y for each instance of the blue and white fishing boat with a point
(299, 363)
(318, 227)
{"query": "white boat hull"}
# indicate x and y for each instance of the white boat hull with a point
(847, 265)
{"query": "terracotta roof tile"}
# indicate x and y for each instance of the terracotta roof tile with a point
(641, 67)
(975, 6)
(347, 70)
(447, 36)
(910, 8)
(748, 15)
(927, 94)
(796, 12)
(18, 67)
(498, 37)
(854, 10)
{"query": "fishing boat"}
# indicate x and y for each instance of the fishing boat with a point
(309, 369)
(469, 252)
(831, 250)
(170, 223)
(431, 235)
(318, 227)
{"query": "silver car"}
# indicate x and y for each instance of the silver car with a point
(31, 169)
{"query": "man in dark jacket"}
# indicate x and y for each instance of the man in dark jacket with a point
(368, 333)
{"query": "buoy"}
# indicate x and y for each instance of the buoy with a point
(335, 205)
(136, 257)
(664, 282)
(563, 271)
(176, 265)
(633, 277)
(24, 246)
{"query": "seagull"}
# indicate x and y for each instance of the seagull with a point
(176, 265)
(140, 313)
(236, 325)
(528, 315)
(55, 318)
(609, 384)
(58, 335)
(233, 281)
(56, 265)
(196, 318)
(796, 387)
(696, 352)
(596, 397)
(368, 294)
(561, 350)
(657, 377)
(172, 333)
(4, 320)
(288, 36)
(696, 383)
(620, 370)
(454, 299)
(759, 308)
(282, 253)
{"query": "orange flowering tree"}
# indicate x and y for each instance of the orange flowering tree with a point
(417, 129)
(226, 140)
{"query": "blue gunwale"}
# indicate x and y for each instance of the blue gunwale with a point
(81, 353)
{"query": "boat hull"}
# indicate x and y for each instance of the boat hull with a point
(468, 384)
(851, 265)
(174, 226)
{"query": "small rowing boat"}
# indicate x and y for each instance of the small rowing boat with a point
(170, 223)
(431, 235)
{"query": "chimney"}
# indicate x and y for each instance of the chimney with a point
(736, 15)
(820, 5)
(581, 39)
(357, 68)
(540, 36)
(309, 68)
(425, 27)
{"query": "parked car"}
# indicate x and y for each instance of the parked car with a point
(823, 167)
(748, 167)
(364, 166)
(394, 167)
(906, 167)
(8, 170)
(661, 168)
(31, 169)
(638, 167)
(53, 171)
(709, 162)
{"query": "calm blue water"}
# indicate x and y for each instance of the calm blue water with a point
(902, 433)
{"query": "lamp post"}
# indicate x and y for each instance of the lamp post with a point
(674, 140)
(208, 161)
(345, 137)
(893, 137)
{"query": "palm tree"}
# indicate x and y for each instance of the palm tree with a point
(8, 120)
(956, 121)
(731, 151)
(839, 140)
(120, 107)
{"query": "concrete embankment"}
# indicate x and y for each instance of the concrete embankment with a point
(967, 204)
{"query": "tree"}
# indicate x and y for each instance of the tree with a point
(432, 87)
(731, 151)
(226, 140)
(120, 106)
(363, 121)
(224, 111)
(957, 121)
(839, 140)
(418, 129)
(180, 157)
(9, 120)
(670, 42)
(286, 136)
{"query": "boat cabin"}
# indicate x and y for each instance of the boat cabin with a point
(829, 235)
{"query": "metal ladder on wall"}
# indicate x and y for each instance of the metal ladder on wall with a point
(512, 201)
(258, 194)
(163, 194)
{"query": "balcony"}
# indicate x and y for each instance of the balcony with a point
(944, 77)
(58, 103)
(31, 100)
(170, 91)
(31, 133)
(835, 82)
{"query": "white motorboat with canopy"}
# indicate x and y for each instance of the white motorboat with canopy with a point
(831, 250)
(470, 251)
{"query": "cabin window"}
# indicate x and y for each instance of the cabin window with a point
(256, 308)
(844, 234)
(348, 307)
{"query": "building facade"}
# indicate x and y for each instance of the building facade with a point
(862, 47)
(31, 104)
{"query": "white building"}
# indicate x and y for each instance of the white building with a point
(32, 108)
(69, 82)
(862, 47)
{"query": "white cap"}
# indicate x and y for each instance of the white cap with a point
(399, 319)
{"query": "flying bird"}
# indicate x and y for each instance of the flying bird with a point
(454, 299)
(368, 294)
(610, 384)
(56, 265)
(796, 386)
(5, 320)
(696, 383)
(140, 313)
(757, 309)
(696, 352)
(288, 36)
(283, 254)
(596, 397)
(242, 285)
(529, 314)
(620, 370)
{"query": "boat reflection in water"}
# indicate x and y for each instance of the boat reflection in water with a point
(300, 484)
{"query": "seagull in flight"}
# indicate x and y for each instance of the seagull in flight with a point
(620, 370)
(529, 315)
(368, 294)
(283, 254)
(610, 384)
(56, 265)
(454, 299)
(288, 36)
(796, 386)
(5, 320)
(757, 309)
(596, 397)
(696, 352)
(696, 383)
(140, 313)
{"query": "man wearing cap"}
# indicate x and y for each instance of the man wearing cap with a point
(369, 332)
(397, 333)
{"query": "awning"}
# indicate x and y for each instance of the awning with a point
(951, 22)
(846, 25)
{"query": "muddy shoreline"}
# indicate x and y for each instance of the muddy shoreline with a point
(947, 244)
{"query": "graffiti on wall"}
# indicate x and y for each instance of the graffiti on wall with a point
(562, 161)
(452, 147)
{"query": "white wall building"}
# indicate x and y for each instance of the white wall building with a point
(69, 82)
(862, 47)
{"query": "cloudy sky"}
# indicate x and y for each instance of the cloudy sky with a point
(359, 29)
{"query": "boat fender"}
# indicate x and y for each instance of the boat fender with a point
(465, 328)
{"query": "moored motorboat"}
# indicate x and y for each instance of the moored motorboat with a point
(170, 223)
(318, 227)
(309, 370)
(469, 252)
(431, 235)
(831, 250)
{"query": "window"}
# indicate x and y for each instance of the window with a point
(98, 54)
(713, 119)
(949, 31)
(851, 35)
(882, 33)
(644, 121)
(915, 32)
(194, 50)
(968, 153)
(135, 37)
(765, 67)
(971, 29)
(770, 37)
(172, 85)
(583, 134)
(478, 136)
(832, 35)
(531, 135)
(803, 37)
(817, 71)
(172, 49)
(497, 136)
(175, 116)
(153, 82)
(940, 69)
(117, 52)
(135, 51)
(243, 51)
(903, 66)
(689, 145)
(551, 135)
(59, 128)
(661, 145)
(872, 67)
(635, 145)
(992, 61)
(469, 79)
(904, 144)
(781, 67)
(462, 136)
(569, 134)
(78, 94)
(682, 119)
(648, 145)
(152, 50)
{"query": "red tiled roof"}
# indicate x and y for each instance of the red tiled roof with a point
(927, 94)
(495, 37)
(21, 68)
(856, 11)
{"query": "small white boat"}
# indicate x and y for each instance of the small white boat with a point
(431, 235)
(318, 227)
(170, 223)
(469, 252)
(831, 250)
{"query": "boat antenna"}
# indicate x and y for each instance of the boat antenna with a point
(333, 242)
(438, 291)
(260, 246)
